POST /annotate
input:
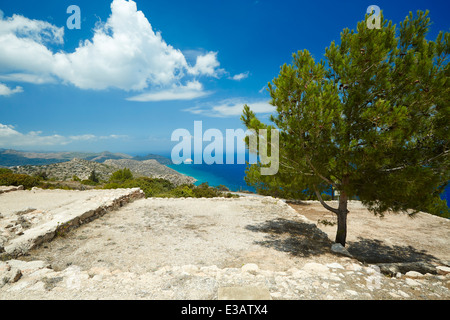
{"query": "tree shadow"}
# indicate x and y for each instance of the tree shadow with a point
(294, 237)
(375, 251)
(302, 239)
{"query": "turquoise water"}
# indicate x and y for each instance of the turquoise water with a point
(229, 175)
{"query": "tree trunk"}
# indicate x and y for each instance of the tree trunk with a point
(341, 213)
(341, 233)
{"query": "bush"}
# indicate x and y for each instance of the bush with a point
(184, 191)
(13, 179)
(156, 187)
(205, 191)
(5, 170)
(221, 187)
(121, 175)
(150, 186)
(41, 175)
(53, 186)
(89, 182)
(326, 197)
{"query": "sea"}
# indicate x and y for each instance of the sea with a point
(229, 175)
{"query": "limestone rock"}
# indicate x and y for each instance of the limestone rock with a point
(338, 248)
(411, 282)
(28, 267)
(335, 265)
(443, 270)
(10, 276)
(315, 267)
(190, 269)
(250, 268)
(414, 275)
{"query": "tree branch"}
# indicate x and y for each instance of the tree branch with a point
(324, 204)
(319, 175)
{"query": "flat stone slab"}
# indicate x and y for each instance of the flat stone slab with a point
(34, 217)
(243, 293)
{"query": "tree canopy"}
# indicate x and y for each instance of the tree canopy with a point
(370, 120)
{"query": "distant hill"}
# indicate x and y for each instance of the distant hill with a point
(63, 171)
(12, 158)
(160, 159)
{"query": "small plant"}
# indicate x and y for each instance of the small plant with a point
(326, 222)
(62, 229)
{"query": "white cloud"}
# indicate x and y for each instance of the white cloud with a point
(11, 138)
(29, 78)
(124, 53)
(207, 65)
(6, 91)
(28, 29)
(231, 108)
(191, 90)
(23, 45)
(240, 76)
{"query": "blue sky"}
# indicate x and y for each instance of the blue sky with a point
(138, 70)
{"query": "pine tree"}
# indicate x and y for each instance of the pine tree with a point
(93, 176)
(371, 121)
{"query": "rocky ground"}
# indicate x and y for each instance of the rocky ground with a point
(189, 248)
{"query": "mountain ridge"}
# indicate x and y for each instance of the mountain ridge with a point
(12, 158)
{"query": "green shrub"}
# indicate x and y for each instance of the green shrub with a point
(13, 179)
(150, 186)
(326, 197)
(41, 175)
(157, 187)
(121, 175)
(221, 187)
(5, 170)
(75, 178)
(205, 191)
(53, 186)
(89, 182)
